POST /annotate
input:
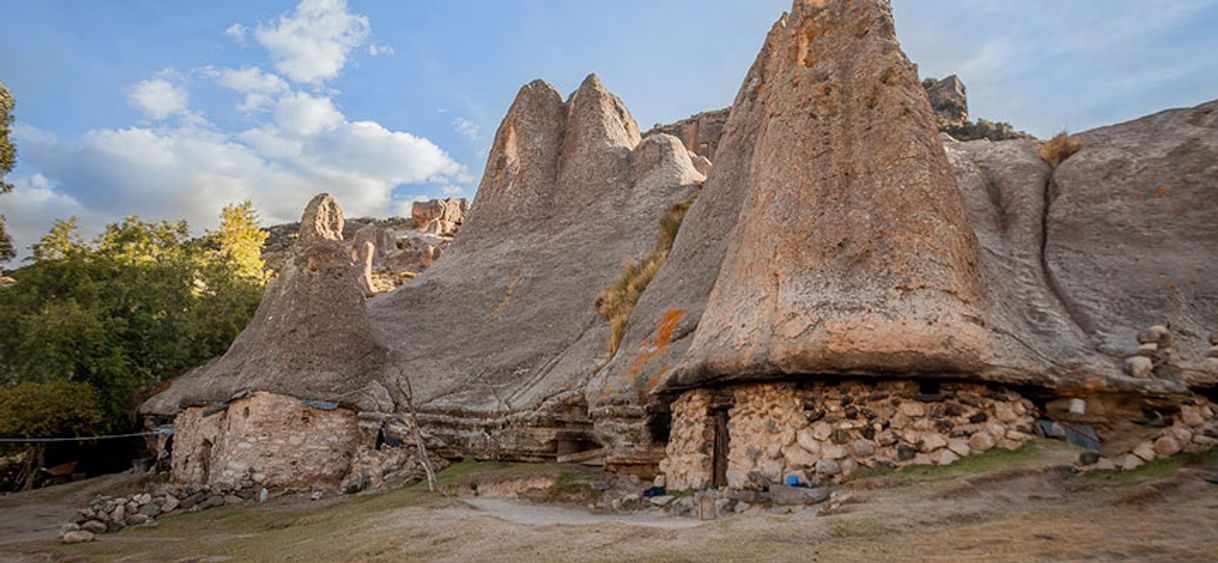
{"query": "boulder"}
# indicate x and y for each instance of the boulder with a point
(78, 536)
(798, 496)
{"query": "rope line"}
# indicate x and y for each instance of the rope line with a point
(79, 438)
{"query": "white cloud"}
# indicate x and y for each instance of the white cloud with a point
(452, 190)
(467, 129)
(158, 98)
(303, 114)
(248, 79)
(311, 44)
(300, 143)
(30, 208)
(236, 31)
(190, 170)
(257, 85)
(377, 50)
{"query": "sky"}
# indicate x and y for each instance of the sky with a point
(170, 110)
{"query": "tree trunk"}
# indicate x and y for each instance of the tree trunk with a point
(33, 466)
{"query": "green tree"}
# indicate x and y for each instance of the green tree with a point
(239, 240)
(8, 159)
(141, 303)
(53, 409)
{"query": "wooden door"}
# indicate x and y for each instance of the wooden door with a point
(722, 442)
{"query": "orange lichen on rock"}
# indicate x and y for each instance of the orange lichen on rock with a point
(652, 347)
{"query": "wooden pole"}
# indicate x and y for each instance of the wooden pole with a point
(418, 433)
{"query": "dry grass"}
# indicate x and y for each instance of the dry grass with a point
(1056, 150)
(616, 302)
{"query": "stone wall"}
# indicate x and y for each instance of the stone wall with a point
(276, 441)
(822, 431)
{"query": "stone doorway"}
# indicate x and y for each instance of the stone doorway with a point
(722, 442)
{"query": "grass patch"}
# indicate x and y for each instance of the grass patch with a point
(1157, 469)
(616, 302)
(1056, 150)
(993, 460)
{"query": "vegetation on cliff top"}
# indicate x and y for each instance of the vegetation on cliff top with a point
(616, 302)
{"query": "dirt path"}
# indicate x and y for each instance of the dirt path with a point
(39, 514)
(1002, 507)
(530, 514)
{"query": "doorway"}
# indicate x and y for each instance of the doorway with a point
(722, 442)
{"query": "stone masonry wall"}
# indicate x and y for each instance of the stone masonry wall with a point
(822, 431)
(276, 441)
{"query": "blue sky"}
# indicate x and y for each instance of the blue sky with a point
(172, 109)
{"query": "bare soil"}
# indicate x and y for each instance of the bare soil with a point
(1022, 506)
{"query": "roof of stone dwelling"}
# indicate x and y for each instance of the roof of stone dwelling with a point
(842, 239)
(310, 337)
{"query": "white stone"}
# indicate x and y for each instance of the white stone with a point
(912, 409)
(833, 451)
(1167, 446)
(981, 441)
(1004, 413)
(1191, 416)
(947, 457)
(1145, 451)
(931, 441)
(1131, 461)
(822, 430)
(807, 440)
(959, 447)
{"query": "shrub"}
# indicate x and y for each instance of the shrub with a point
(1056, 150)
(616, 302)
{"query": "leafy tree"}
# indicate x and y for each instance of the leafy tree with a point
(8, 159)
(239, 240)
(143, 302)
(53, 409)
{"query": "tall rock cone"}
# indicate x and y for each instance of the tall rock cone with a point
(310, 337)
(500, 335)
(852, 252)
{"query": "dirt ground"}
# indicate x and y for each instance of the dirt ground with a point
(1021, 506)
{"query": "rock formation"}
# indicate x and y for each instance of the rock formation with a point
(439, 216)
(838, 236)
(310, 337)
(795, 266)
(699, 133)
(949, 98)
(504, 322)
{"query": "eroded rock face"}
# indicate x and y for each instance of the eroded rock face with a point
(503, 327)
(439, 216)
(275, 440)
(949, 99)
(699, 133)
(322, 220)
(1132, 239)
(852, 252)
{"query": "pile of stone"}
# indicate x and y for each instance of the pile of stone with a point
(1155, 350)
(821, 432)
(388, 467)
(107, 514)
(1191, 430)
